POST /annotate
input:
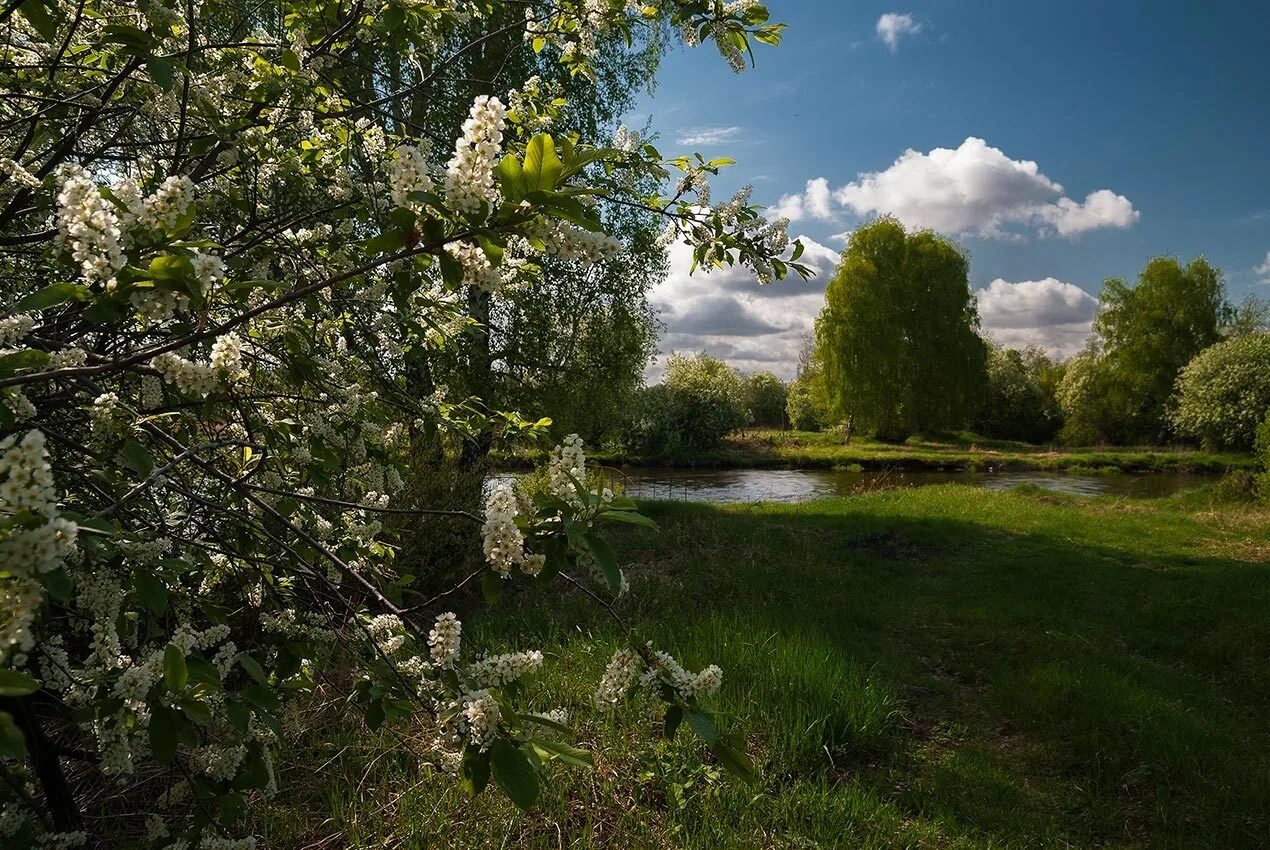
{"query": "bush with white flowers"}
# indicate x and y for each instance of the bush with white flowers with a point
(1224, 393)
(230, 241)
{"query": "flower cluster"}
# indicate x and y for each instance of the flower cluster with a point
(569, 242)
(88, 226)
(408, 172)
(504, 544)
(566, 471)
(469, 175)
(31, 548)
(167, 204)
(501, 670)
(444, 641)
(202, 378)
(629, 669)
(14, 328)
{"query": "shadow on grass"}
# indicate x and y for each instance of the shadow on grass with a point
(930, 668)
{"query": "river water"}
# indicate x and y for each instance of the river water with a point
(800, 485)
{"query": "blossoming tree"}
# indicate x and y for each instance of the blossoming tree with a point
(226, 249)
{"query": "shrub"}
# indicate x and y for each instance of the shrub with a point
(1263, 454)
(1015, 404)
(806, 406)
(765, 399)
(699, 402)
(1224, 393)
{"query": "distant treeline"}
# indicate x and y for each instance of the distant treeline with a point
(898, 350)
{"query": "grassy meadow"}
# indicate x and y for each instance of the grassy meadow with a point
(768, 448)
(941, 667)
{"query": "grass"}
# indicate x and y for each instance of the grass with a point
(963, 451)
(941, 667)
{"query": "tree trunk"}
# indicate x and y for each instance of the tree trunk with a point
(44, 760)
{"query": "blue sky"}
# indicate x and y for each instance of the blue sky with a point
(1015, 114)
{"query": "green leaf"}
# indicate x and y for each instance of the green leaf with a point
(161, 72)
(492, 587)
(12, 741)
(514, 773)
(561, 751)
(137, 457)
(542, 168)
(52, 295)
(129, 36)
(203, 672)
(375, 715)
(175, 673)
(475, 771)
(451, 269)
(798, 250)
(674, 716)
(42, 15)
(152, 592)
(27, 359)
(606, 560)
(703, 726)
(734, 760)
(291, 61)
(163, 727)
(630, 517)
(198, 711)
(14, 683)
(253, 668)
(261, 697)
(512, 178)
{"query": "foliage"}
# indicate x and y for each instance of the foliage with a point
(1252, 316)
(231, 254)
(808, 402)
(1224, 393)
(1262, 448)
(1149, 332)
(1018, 400)
(898, 336)
(765, 399)
(698, 402)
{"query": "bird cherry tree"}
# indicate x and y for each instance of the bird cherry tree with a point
(226, 248)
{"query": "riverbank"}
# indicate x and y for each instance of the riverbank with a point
(768, 449)
(936, 667)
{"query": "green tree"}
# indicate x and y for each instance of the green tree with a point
(1224, 393)
(1018, 401)
(765, 396)
(898, 336)
(700, 400)
(1149, 332)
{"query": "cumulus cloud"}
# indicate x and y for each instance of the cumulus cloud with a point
(893, 26)
(971, 189)
(1263, 271)
(729, 314)
(1053, 314)
(709, 135)
(815, 201)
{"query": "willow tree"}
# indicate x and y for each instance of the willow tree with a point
(898, 337)
(229, 251)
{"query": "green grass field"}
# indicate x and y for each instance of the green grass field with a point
(940, 667)
(816, 450)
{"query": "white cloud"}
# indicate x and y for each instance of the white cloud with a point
(727, 313)
(709, 135)
(815, 201)
(1103, 208)
(971, 189)
(1263, 271)
(1056, 315)
(894, 25)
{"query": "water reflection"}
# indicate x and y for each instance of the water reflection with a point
(800, 485)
